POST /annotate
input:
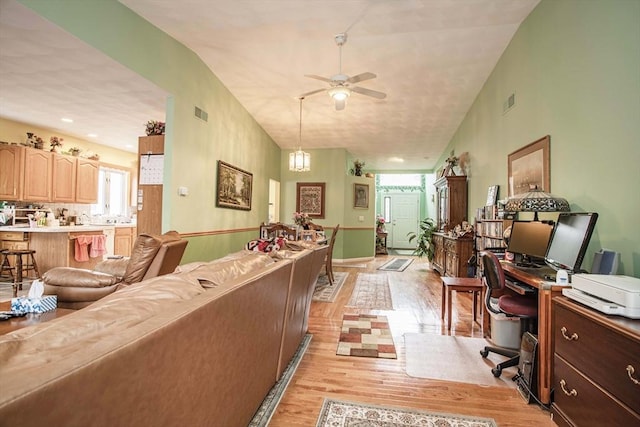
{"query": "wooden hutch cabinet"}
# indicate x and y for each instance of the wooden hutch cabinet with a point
(451, 253)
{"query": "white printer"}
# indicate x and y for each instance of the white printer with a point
(607, 293)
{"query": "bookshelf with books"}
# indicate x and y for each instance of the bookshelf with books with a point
(489, 234)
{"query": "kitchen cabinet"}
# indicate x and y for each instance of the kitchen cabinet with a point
(123, 241)
(64, 178)
(87, 181)
(38, 174)
(11, 171)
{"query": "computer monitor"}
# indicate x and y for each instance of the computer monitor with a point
(569, 241)
(529, 239)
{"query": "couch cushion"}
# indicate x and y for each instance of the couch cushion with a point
(144, 250)
(219, 271)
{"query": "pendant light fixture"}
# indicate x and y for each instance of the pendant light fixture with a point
(300, 161)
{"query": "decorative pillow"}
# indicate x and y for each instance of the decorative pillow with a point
(266, 245)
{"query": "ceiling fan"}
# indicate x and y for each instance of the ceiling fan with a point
(341, 84)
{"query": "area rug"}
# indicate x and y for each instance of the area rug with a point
(324, 291)
(440, 357)
(337, 413)
(366, 335)
(269, 404)
(396, 264)
(371, 291)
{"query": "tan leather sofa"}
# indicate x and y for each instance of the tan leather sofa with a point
(151, 256)
(202, 346)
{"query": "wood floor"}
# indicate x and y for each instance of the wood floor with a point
(384, 382)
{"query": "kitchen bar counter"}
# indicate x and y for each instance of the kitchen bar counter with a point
(67, 229)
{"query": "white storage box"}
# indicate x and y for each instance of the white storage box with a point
(505, 331)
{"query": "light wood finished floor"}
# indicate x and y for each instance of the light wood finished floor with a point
(384, 382)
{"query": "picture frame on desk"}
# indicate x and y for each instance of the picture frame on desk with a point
(528, 168)
(492, 195)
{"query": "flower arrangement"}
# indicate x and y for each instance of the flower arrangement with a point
(380, 222)
(55, 143)
(357, 168)
(154, 127)
(301, 218)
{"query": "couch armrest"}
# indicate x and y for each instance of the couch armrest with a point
(78, 277)
(115, 266)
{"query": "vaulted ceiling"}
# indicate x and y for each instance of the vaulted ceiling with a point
(431, 58)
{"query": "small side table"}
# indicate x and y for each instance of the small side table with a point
(459, 284)
(381, 243)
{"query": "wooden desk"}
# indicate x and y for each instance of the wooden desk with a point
(546, 293)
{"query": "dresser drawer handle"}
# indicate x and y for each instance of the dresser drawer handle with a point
(573, 391)
(573, 337)
(630, 372)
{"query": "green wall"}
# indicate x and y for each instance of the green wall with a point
(574, 67)
(356, 239)
(192, 147)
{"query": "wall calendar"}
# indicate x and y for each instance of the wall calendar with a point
(151, 169)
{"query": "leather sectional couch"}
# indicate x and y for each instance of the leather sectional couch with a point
(202, 346)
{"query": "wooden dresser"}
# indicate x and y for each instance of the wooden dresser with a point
(451, 254)
(597, 367)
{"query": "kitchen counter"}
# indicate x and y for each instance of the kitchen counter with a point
(67, 229)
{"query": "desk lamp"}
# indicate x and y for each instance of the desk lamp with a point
(536, 201)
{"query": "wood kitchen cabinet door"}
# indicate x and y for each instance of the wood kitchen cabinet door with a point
(123, 240)
(38, 172)
(87, 181)
(11, 172)
(64, 178)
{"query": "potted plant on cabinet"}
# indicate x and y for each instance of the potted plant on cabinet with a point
(424, 239)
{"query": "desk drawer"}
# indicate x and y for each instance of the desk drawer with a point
(600, 353)
(590, 406)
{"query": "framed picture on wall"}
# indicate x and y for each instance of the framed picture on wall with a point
(528, 168)
(492, 195)
(361, 196)
(234, 187)
(310, 198)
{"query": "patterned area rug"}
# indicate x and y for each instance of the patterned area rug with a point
(371, 291)
(324, 292)
(339, 413)
(446, 354)
(269, 404)
(366, 335)
(396, 264)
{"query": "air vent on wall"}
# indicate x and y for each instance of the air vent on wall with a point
(509, 103)
(201, 114)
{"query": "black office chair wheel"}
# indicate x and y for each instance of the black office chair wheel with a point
(484, 353)
(496, 372)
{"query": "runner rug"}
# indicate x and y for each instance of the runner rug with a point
(269, 404)
(396, 264)
(366, 335)
(341, 413)
(371, 291)
(446, 355)
(324, 292)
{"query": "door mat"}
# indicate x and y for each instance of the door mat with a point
(371, 291)
(341, 413)
(405, 252)
(366, 335)
(440, 357)
(323, 290)
(396, 264)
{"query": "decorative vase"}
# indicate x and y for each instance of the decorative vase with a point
(39, 145)
(75, 153)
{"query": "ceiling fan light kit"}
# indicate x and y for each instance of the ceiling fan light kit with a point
(341, 84)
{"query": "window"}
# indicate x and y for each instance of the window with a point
(113, 185)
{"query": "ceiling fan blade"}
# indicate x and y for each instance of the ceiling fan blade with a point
(368, 92)
(304, 95)
(340, 103)
(313, 76)
(361, 77)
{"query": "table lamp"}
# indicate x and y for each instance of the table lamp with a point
(536, 201)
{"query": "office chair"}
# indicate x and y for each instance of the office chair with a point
(526, 308)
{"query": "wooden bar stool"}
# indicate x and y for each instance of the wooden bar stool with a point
(22, 268)
(459, 284)
(6, 267)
